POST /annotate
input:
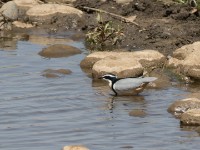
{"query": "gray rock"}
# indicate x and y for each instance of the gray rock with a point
(9, 10)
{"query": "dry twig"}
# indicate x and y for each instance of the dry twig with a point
(127, 20)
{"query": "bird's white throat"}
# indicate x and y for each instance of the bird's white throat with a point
(109, 81)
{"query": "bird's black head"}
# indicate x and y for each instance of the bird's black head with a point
(110, 78)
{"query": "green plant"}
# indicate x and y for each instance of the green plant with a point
(104, 34)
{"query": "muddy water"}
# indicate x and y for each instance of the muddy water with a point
(39, 113)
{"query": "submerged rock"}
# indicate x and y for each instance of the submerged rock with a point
(137, 113)
(121, 66)
(181, 106)
(59, 50)
(75, 147)
(191, 117)
(50, 73)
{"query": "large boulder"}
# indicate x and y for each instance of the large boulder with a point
(59, 50)
(191, 117)
(124, 64)
(9, 10)
(147, 58)
(51, 13)
(181, 106)
(121, 66)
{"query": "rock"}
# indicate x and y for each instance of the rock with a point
(91, 59)
(137, 113)
(9, 10)
(48, 13)
(150, 58)
(24, 5)
(162, 81)
(186, 61)
(191, 117)
(19, 24)
(124, 64)
(50, 73)
(147, 58)
(75, 147)
(186, 50)
(191, 65)
(121, 66)
(174, 62)
(59, 50)
(181, 106)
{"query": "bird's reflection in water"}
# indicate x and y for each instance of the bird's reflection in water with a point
(113, 101)
(130, 99)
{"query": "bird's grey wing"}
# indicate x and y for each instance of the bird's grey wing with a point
(131, 83)
(148, 79)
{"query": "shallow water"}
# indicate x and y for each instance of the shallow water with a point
(39, 113)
